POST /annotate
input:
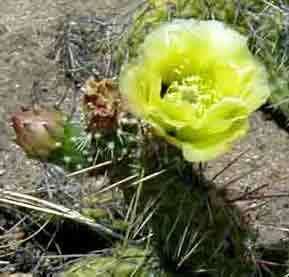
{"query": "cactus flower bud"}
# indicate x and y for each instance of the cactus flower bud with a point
(196, 83)
(47, 135)
(38, 131)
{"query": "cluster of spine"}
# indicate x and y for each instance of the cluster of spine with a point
(111, 130)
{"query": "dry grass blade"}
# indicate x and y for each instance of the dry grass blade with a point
(144, 222)
(255, 207)
(149, 177)
(21, 241)
(85, 170)
(114, 185)
(234, 180)
(193, 249)
(133, 213)
(279, 228)
(38, 231)
(148, 212)
(177, 220)
(184, 236)
(229, 164)
(33, 203)
(248, 194)
(264, 196)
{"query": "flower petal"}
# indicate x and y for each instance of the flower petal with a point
(223, 114)
(140, 86)
(257, 90)
(165, 50)
(210, 148)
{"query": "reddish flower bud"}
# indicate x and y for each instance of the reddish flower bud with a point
(38, 131)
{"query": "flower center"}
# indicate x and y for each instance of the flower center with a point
(197, 91)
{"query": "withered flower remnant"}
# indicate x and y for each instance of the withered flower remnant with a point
(100, 106)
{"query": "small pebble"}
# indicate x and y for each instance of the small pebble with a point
(2, 172)
(3, 29)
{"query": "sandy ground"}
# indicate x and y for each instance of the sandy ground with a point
(27, 28)
(265, 163)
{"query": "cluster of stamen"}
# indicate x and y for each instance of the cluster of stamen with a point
(197, 91)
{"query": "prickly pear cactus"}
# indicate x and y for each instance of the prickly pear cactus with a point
(106, 133)
(192, 226)
(195, 228)
(112, 131)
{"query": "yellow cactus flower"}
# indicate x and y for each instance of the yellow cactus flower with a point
(196, 83)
